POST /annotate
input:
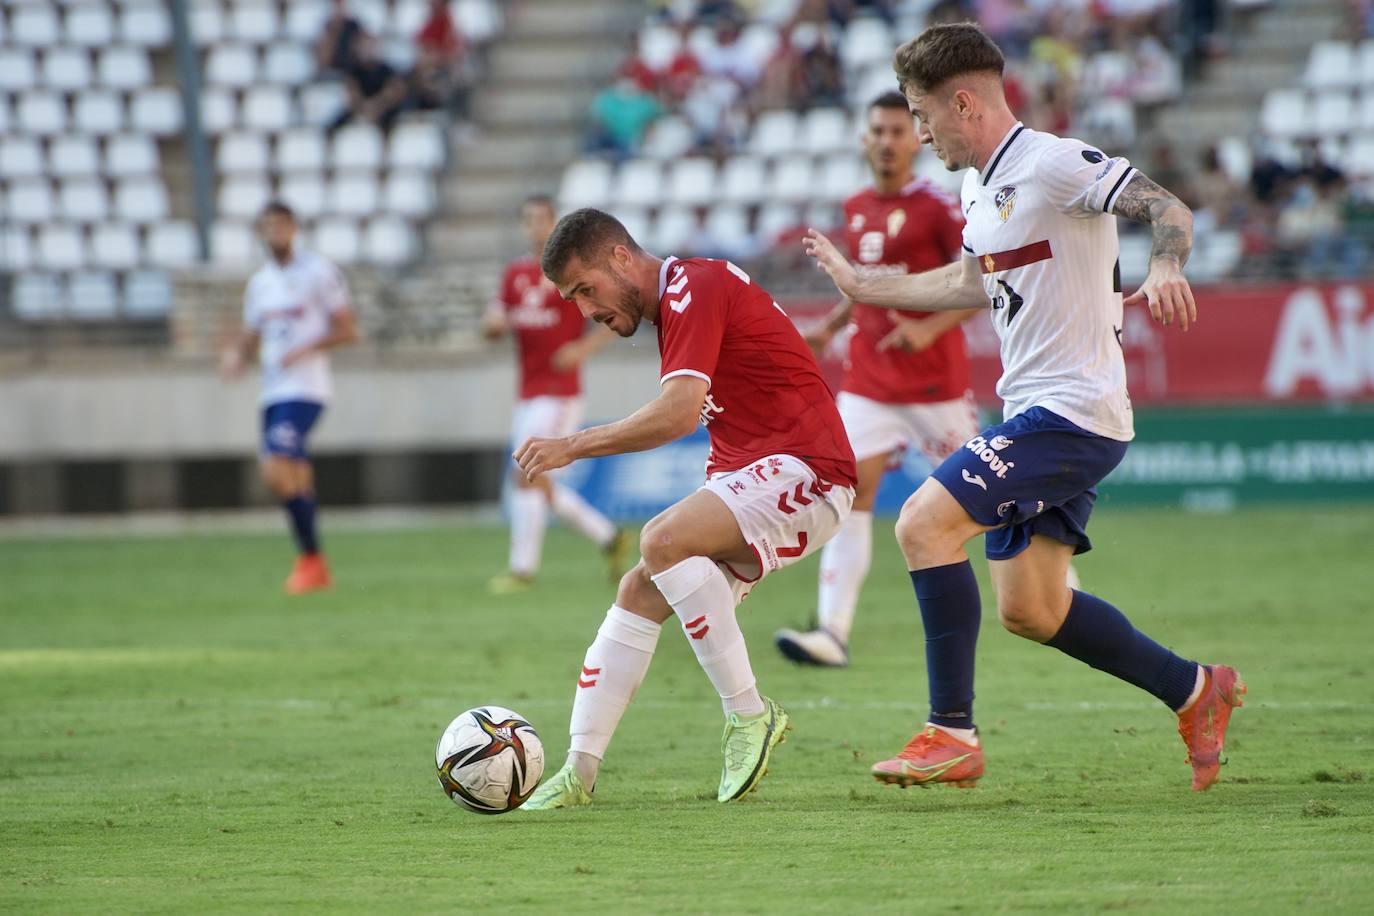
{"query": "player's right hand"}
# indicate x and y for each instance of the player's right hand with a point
(829, 259)
(539, 456)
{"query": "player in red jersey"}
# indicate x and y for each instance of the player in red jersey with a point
(552, 340)
(780, 481)
(906, 378)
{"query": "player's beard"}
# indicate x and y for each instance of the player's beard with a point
(628, 300)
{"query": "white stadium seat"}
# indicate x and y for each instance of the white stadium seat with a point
(16, 248)
(658, 45)
(823, 216)
(37, 297)
(300, 150)
(744, 180)
(1331, 64)
(242, 152)
(635, 221)
(128, 155)
(232, 243)
(389, 240)
(728, 226)
(418, 145)
(357, 146)
(253, 22)
(322, 102)
(866, 41)
(1334, 114)
(1364, 64)
(89, 25)
(125, 68)
(17, 70)
(147, 294)
(827, 130)
(792, 179)
(219, 110)
(305, 19)
(338, 240)
(141, 200)
(586, 183)
(692, 182)
(83, 200)
(479, 20)
(288, 64)
(157, 111)
(30, 203)
(639, 183)
(101, 112)
(92, 295)
(6, 125)
(73, 155)
(371, 14)
(61, 247)
(354, 194)
(775, 134)
(207, 23)
(20, 157)
(1285, 113)
(231, 65)
(669, 138)
(1360, 156)
(42, 113)
(268, 108)
(303, 192)
(35, 26)
(67, 69)
(243, 197)
(407, 16)
(146, 24)
(171, 244)
(674, 230)
(114, 246)
(410, 194)
(775, 219)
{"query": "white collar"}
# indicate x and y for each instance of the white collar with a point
(663, 274)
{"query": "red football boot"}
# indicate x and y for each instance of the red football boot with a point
(309, 575)
(1203, 725)
(934, 755)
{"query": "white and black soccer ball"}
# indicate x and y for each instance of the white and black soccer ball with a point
(490, 759)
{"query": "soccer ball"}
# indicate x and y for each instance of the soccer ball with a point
(489, 760)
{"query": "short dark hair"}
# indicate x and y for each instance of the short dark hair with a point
(943, 52)
(890, 99)
(277, 208)
(586, 234)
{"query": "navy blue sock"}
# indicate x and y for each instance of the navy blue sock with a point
(1098, 634)
(951, 612)
(302, 512)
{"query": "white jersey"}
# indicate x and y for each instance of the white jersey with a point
(290, 306)
(1039, 222)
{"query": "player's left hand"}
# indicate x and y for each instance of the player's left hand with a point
(1168, 294)
(296, 355)
(829, 259)
(569, 356)
(539, 456)
(910, 334)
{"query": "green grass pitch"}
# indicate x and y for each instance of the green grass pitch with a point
(176, 735)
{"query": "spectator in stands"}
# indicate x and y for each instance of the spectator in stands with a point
(1219, 200)
(376, 92)
(730, 57)
(334, 47)
(682, 71)
(620, 114)
(822, 75)
(437, 79)
(716, 108)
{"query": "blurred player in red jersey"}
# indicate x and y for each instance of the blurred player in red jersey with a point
(552, 339)
(780, 480)
(906, 378)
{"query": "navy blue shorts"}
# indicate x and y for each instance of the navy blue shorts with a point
(286, 425)
(1036, 473)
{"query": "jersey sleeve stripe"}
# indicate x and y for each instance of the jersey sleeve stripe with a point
(692, 372)
(968, 249)
(1017, 257)
(1116, 188)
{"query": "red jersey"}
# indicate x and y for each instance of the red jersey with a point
(766, 393)
(542, 321)
(918, 228)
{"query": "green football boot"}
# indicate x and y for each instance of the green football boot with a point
(748, 745)
(561, 790)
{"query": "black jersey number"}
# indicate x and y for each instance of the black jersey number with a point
(1008, 299)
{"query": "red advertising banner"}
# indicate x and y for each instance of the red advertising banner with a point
(1251, 344)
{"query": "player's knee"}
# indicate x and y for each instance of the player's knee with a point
(920, 542)
(659, 548)
(1026, 618)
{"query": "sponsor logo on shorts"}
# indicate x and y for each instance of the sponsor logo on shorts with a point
(736, 486)
(987, 453)
(975, 479)
(283, 435)
(1005, 509)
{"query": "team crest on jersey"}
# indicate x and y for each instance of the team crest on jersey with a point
(1005, 201)
(895, 220)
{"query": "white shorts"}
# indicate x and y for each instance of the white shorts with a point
(938, 429)
(784, 511)
(547, 417)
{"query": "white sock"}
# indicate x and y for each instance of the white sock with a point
(966, 735)
(569, 505)
(844, 565)
(703, 601)
(529, 517)
(612, 670)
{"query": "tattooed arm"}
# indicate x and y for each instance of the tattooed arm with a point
(1171, 224)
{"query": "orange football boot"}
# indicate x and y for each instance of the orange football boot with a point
(1203, 725)
(309, 575)
(934, 755)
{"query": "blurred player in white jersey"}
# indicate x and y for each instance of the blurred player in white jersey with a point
(906, 376)
(552, 341)
(295, 309)
(1040, 246)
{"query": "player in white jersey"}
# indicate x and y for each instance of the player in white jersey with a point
(296, 308)
(1040, 245)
